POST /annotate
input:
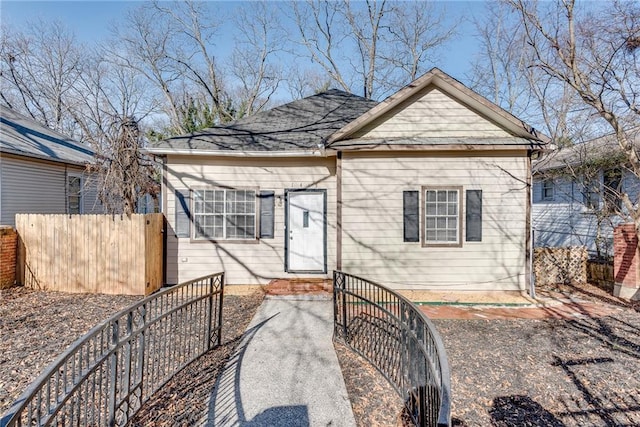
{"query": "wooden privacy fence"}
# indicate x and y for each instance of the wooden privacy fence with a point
(109, 254)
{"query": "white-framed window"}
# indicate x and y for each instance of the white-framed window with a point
(74, 193)
(548, 188)
(220, 214)
(442, 207)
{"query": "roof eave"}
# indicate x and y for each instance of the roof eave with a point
(435, 147)
(44, 157)
(232, 153)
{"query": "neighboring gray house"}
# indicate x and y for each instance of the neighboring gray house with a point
(41, 171)
(426, 190)
(570, 209)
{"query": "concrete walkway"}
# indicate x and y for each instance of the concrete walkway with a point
(284, 372)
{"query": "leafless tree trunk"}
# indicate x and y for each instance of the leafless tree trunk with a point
(384, 44)
(595, 52)
(504, 73)
(255, 62)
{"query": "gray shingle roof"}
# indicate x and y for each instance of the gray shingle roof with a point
(22, 136)
(297, 126)
(598, 148)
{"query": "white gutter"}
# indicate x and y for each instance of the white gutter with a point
(161, 151)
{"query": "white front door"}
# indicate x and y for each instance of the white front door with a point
(306, 228)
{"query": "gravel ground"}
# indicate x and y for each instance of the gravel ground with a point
(36, 326)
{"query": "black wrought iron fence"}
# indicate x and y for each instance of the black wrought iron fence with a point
(400, 341)
(104, 378)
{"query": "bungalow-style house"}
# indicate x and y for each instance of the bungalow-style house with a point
(576, 195)
(41, 171)
(428, 189)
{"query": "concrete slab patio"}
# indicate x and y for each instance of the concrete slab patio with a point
(284, 372)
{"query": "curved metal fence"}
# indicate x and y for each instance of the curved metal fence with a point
(104, 378)
(400, 341)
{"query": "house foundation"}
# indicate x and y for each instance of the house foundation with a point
(625, 262)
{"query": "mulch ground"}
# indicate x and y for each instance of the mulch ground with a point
(185, 398)
(528, 372)
(37, 326)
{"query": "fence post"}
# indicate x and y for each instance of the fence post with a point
(141, 350)
(221, 296)
(113, 373)
(335, 304)
(403, 345)
(345, 329)
(210, 313)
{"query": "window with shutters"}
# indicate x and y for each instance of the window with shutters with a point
(442, 207)
(224, 214)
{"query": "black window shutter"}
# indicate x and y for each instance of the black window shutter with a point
(267, 199)
(183, 214)
(411, 215)
(474, 215)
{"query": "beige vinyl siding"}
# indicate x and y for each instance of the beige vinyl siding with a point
(244, 262)
(372, 240)
(433, 114)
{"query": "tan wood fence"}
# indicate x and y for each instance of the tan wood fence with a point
(109, 254)
(601, 273)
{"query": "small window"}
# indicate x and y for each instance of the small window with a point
(442, 216)
(74, 194)
(612, 180)
(547, 189)
(224, 214)
(590, 195)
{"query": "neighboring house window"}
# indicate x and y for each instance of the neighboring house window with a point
(224, 214)
(74, 194)
(442, 216)
(590, 195)
(547, 189)
(612, 180)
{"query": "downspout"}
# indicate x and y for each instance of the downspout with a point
(163, 209)
(531, 232)
(339, 211)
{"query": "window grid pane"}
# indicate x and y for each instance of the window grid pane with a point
(224, 214)
(441, 216)
(74, 197)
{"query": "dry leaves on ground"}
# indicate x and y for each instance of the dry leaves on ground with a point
(37, 326)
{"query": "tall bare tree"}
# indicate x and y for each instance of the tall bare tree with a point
(373, 47)
(503, 71)
(256, 62)
(108, 104)
(593, 49)
(38, 68)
